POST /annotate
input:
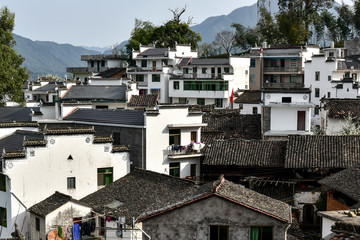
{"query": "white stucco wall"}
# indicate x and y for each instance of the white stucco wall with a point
(35, 178)
(326, 226)
(285, 118)
(157, 143)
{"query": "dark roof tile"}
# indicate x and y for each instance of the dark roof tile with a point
(9, 114)
(88, 92)
(342, 108)
(144, 100)
(69, 130)
(111, 116)
(243, 153)
(155, 52)
(111, 72)
(322, 151)
(249, 96)
(120, 148)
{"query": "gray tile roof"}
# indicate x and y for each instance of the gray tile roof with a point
(342, 108)
(15, 141)
(249, 96)
(9, 114)
(69, 130)
(155, 52)
(346, 181)
(235, 193)
(88, 92)
(111, 72)
(135, 192)
(120, 148)
(143, 100)
(233, 124)
(52, 203)
(237, 152)
(112, 116)
(322, 152)
(18, 124)
(286, 90)
(210, 61)
(46, 88)
(103, 139)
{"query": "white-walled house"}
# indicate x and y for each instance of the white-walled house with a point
(70, 160)
(173, 141)
(286, 112)
(12, 210)
(249, 102)
(57, 210)
(96, 64)
(207, 81)
(154, 66)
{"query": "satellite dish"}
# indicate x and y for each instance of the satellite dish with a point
(178, 73)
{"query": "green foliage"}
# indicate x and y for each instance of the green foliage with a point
(351, 126)
(245, 38)
(321, 203)
(12, 75)
(166, 35)
(207, 50)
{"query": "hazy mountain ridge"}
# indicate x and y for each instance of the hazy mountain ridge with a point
(43, 57)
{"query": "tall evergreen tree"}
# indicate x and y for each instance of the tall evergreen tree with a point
(12, 75)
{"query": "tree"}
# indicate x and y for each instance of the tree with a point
(225, 39)
(245, 38)
(12, 75)
(207, 50)
(301, 14)
(351, 126)
(167, 35)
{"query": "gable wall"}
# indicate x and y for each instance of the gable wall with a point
(193, 221)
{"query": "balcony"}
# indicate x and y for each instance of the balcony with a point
(283, 69)
(185, 151)
(199, 76)
(283, 85)
(142, 69)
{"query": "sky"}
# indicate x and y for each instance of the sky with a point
(106, 22)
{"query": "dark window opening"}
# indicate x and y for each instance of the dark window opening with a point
(3, 217)
(105, 176)
(37, 224)
(174, 137)
(174, 169)
(261, 233)
(71, 183)
(286, 99)
(219, 232)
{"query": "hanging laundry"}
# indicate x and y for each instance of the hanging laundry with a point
(60, 232)
(66, 232)
(76, 232)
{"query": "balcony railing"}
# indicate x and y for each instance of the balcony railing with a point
(343, 66)
(283, 85)
(283, 69)
(198, 76)
(142, 69)
(192, 148)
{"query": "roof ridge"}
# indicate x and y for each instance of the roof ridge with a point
(220, 184)
(136, 169)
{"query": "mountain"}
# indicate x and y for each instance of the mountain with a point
(42, 57)
(246, 16)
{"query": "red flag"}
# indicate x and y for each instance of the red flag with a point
(232, 96)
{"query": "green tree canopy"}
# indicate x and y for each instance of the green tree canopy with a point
(166, 35)
(12, 75)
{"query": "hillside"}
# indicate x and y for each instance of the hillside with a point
(42, 57)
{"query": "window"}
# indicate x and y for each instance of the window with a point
(102, 63)
(92, 63)
(317, 76)
(139, 78)
(195, 70)
(219, 232)
(174, 169)
(70, 183)
(273, 78)
(273, 63)
(252, 62)
(144, 63)
(317, 109)
(116, 138)
(156, 77)
(193, 170)
(174, 137)
(200, 101)
(2, 182)
(101, 107)
(252, 78)
(354, 76)
(226, 69)
(3, 217)
(286, 99)
(329, 78)
(206, 85)
(204, 70)
(317, 92)
(155, 91)
(255, 110)
(105, 176)
(329, 95)
(293, 78)
(185, 70)
(193, 137)
(219, 102)
(261, 233)
(37, 224)
(183, 100)
(176, 85)
(293, 62)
